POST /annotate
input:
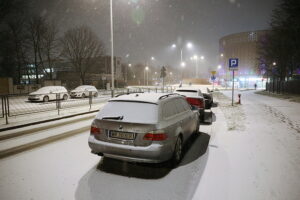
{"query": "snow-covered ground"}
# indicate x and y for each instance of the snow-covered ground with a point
(256, 153)
(253, 153)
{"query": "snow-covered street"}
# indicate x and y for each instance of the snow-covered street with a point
(251, 151)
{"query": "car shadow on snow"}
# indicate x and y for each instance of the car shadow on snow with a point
(195, 147)
(214, 104)
(113, 179)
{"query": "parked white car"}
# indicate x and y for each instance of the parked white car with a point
(195, 98)
(49, 93)
(84, 91)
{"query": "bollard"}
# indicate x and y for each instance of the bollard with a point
(239, 95)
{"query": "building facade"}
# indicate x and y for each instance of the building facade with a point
(243, 46)
(98, 74)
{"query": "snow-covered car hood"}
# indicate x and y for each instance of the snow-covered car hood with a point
(38, 93)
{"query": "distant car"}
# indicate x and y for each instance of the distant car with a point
(84, 91)
(48, 93)
(195, 98)
(145, 127)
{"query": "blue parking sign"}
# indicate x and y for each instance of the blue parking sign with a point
(233, 64)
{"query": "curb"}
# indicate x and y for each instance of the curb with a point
(31, 145)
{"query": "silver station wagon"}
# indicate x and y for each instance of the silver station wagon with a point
(143, 127)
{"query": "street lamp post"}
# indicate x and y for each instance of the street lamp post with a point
(112, 49)
(147, 69)
(195, 57)
(189, 45)
(183, 66)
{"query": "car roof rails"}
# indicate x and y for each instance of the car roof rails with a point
(168, 95)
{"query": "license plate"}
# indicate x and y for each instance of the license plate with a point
(122, 135)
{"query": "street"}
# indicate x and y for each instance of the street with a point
(250, 151)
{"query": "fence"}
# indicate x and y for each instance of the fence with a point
(280, 87)
(16, 105)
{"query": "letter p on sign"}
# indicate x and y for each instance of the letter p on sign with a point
(233, 63)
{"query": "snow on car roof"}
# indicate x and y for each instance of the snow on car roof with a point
(141, 97)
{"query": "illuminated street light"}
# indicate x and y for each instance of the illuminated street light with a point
(222, 55)
(182, 64)
(274, 63)
(202, 57)
(189, 45)
(219, 66)
(129, 65)
(152, 58)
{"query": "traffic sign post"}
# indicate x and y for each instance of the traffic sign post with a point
(233, 65)
(213, 78)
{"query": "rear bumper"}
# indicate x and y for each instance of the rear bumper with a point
(74, 95)
(154, 153)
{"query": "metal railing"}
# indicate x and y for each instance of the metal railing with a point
(16, 105)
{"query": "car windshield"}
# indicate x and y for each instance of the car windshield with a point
(135, 112)
(82, 87)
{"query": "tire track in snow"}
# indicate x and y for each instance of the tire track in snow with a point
(283, 118)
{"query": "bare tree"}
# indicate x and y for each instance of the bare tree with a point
(81, 47)
(36, 28)
(18, 39)
(50, 45)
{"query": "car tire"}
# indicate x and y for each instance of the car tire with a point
(96, 94)
(177, 155)
(65, 97)
(83, 95)
(45, 99)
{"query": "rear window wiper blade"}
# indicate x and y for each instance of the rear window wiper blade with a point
(115, 118)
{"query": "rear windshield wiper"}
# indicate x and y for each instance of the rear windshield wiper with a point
(115, 118)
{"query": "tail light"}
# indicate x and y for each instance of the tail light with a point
(155, 136)
(196, 102)
(95, 130)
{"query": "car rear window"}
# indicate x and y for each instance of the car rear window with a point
(134, 112)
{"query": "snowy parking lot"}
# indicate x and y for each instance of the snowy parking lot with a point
(250, 151)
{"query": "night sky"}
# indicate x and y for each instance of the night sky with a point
(145, 28)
